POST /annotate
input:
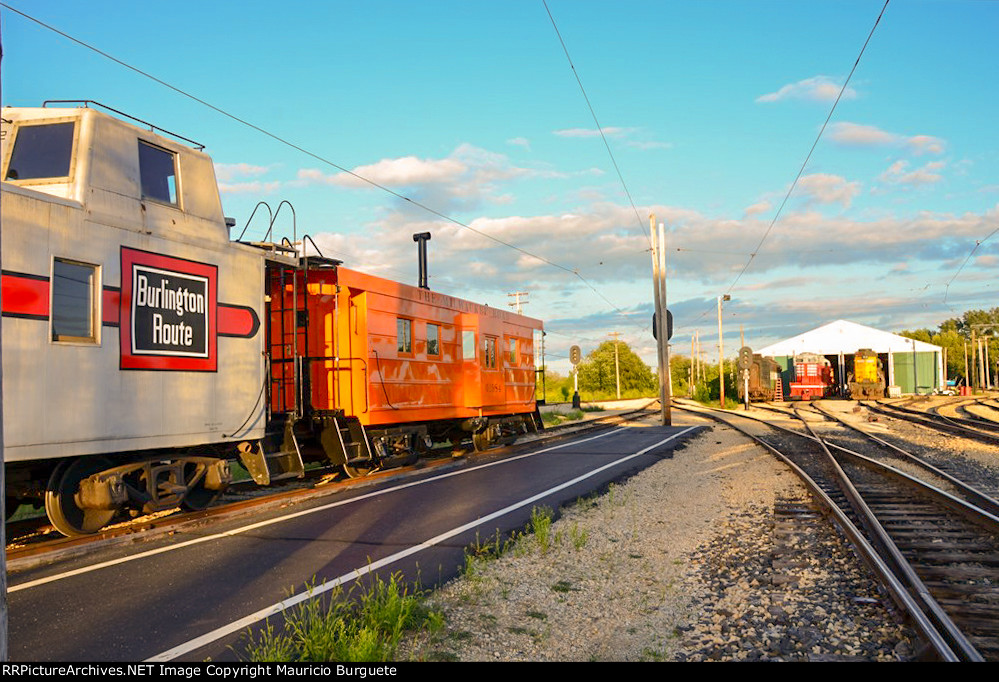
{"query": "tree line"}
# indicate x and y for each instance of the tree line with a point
(954, 335)
(599, 376)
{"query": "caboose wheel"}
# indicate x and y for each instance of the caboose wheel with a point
(198, 497)
(60, 498)
(356, 471)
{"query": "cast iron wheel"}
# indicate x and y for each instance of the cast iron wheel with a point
(198, 497)
(357, 471)
(60, 498)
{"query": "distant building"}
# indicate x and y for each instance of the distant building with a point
(912, 366)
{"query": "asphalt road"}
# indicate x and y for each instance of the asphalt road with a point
(192, 595)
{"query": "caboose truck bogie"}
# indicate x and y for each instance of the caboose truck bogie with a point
(137, 335)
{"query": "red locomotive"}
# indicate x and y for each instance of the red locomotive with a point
(813, 377)
(143, 348)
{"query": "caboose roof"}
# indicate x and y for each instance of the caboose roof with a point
(845, 337)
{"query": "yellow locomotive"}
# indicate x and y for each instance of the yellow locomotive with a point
(867, 381)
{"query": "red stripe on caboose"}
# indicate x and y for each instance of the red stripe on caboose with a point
(25, 295)
(110, 306)
(237, 320)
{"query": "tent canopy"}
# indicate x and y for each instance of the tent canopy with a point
(845, 337)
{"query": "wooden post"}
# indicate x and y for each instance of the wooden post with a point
(663, 329)
(721, 356)
(657, 295)
(617, 366)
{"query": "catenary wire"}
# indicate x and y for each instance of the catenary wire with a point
(597, 123)
(317, 157)
(808, 157)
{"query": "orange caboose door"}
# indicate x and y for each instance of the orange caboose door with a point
(482, 374)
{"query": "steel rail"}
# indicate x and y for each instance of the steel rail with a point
(982, 500)
(902, 566)
(293, 491)
(933, 421)
(923, 623)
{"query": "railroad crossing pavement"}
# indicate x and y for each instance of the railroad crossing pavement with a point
(190, 596)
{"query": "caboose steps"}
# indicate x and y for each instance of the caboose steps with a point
(274, 465)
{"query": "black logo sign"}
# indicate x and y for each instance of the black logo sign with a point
(170, 313)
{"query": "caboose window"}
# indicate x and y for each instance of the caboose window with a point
(404, 335)
(467, 344)
(41, 152)
(158, 173)
(74, 301)
(433, 339)
(512, 350)
(489, 352)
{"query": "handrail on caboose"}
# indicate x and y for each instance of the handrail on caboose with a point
(152, 128)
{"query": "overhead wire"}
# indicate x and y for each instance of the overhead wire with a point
(977, 244)
(317, 157)
(801, 170)
(597, 123)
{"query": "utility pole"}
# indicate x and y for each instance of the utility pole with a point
(661, 323)
(967, 377)
(517, 304)
(983, 354)
(693, 364)
(617, 366)
(721, 351)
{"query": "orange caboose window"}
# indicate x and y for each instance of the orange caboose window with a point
(433, 340)
(404, 335)
(489, 352)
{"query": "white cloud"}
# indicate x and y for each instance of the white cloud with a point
(899, 174)
(859, 135)
(815, 89)
(520, 142)
(401, 172)
(758, 208)
(925, 144)
(226, 172)
(829, 189)
(255, 187)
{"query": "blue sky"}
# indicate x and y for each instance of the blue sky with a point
(472, 109)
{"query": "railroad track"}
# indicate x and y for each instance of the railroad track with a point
(976, 409)
(936, 553)
(981, 430)
(34, 538)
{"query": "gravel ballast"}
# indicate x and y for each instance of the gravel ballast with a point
(713, 554)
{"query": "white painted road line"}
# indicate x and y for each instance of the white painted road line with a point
(275, 609)
(287, 517)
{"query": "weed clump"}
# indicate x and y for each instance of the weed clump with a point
(356, 628)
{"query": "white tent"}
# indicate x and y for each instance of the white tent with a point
(842, 338)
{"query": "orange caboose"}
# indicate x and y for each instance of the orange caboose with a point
(371, 372)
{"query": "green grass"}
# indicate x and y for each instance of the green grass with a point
(348, 627)
(556, 418)
(541, 525)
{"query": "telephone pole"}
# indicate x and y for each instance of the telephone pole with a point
(661, 325)
(517, 304)
(617, 366)
(721, 351)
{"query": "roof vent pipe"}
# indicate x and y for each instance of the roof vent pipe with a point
(422, 238)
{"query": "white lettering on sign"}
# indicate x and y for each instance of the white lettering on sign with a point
(163, 296)
(169, 312)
